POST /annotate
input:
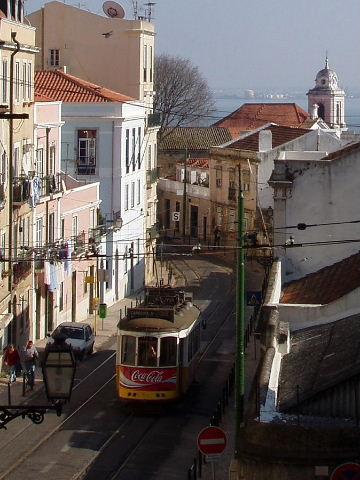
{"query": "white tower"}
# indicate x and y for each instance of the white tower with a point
(327, 98)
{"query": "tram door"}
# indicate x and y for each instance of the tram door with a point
(181, 366)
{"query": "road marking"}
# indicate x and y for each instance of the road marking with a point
(48, 467)
(65, 448)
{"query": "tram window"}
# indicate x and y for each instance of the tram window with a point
(147, 351)
(128, 348)
(168, 351)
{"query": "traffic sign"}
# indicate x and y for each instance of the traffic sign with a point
(176, 216)
(347, 471)
(211, 441)
(253, 298)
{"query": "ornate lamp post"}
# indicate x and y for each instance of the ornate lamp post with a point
(58, 368)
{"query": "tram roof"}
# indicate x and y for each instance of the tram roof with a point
(183, 319)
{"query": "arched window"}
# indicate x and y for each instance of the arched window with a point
(321, 111)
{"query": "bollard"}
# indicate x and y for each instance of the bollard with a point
(9, 393)
(200, 463)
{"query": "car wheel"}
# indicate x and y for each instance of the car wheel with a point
(91, 349)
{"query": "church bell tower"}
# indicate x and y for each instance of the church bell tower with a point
(327, 100)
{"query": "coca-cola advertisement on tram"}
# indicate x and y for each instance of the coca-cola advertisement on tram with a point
(148, 379)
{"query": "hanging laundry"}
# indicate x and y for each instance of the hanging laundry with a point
(47, 278)
(53, 277)
(67, 263)
(60, 274)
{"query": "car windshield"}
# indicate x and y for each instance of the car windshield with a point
(70, 332)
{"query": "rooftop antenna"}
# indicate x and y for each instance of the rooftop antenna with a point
(149, 10)
(135, 9)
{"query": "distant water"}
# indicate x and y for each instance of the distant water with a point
(224, 106)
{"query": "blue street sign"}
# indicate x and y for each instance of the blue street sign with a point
(253, 298)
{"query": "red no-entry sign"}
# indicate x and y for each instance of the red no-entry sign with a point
(347, 471)
(211, 441)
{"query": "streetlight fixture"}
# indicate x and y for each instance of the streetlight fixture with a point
(58, 368)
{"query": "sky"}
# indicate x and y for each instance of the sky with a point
(255, 43)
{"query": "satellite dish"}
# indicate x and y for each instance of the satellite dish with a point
(113, 10)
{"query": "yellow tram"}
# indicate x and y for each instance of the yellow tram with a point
(158, 346)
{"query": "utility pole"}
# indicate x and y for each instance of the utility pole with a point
(240, 319)
(184, 215)
(11, 159)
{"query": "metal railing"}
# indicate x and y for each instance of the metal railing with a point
(50, 184)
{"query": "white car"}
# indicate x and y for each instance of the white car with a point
(79, 335)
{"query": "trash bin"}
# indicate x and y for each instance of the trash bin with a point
(102, 310)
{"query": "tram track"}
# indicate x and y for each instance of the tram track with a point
(29, 425)
(25, 455)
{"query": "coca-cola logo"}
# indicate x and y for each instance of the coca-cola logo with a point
(154, 376)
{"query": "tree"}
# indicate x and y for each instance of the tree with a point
(182, 96)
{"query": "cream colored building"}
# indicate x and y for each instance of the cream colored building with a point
(17, 52)
(225, 164)
(112, 52)
(194, 196)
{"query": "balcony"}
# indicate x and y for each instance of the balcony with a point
(21, 190)
(79, 242)
(151, 177)
(153, 120)
(21, 270)
(50, 185)
(87, 167)
(174, 186)
(96, 234)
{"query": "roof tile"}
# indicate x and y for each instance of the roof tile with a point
(59, 86)
(325, 285)
(193, 138)
(254, 115)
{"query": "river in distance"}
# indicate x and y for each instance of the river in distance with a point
(225, 106)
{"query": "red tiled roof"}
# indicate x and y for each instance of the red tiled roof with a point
(197, 163)
(59, 86)
(280, 135)
(254, 115)
(193, 138)
(325, 285)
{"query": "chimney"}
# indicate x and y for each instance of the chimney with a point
(64, 69)
(314, 112)
(265, 140)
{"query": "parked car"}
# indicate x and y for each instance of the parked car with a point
(79, 335)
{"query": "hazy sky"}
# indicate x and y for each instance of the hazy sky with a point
(256, 43)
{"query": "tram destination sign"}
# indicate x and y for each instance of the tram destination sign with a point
(151, 312)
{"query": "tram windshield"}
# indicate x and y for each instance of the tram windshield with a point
(147, 351)
(128, 350)
(168, 351)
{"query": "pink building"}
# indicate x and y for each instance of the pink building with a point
(64, 216)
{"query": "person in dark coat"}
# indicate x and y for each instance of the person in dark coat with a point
(12, 360)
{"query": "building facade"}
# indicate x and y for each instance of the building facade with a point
(118, 54)
(17, 52)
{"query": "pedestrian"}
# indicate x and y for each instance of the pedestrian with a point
(217, 234)
(12, 360)
(29, 355)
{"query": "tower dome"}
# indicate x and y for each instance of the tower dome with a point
(327, 98)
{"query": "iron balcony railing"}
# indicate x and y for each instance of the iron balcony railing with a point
(50, 185)
(21, 269)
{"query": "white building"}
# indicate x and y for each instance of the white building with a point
(316, 190)
(103, 141)
(327, 100)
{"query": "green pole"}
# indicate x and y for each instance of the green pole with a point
(240, 320)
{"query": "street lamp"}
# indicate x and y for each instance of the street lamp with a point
(58, 368)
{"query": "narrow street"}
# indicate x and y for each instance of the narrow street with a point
(97, 437)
